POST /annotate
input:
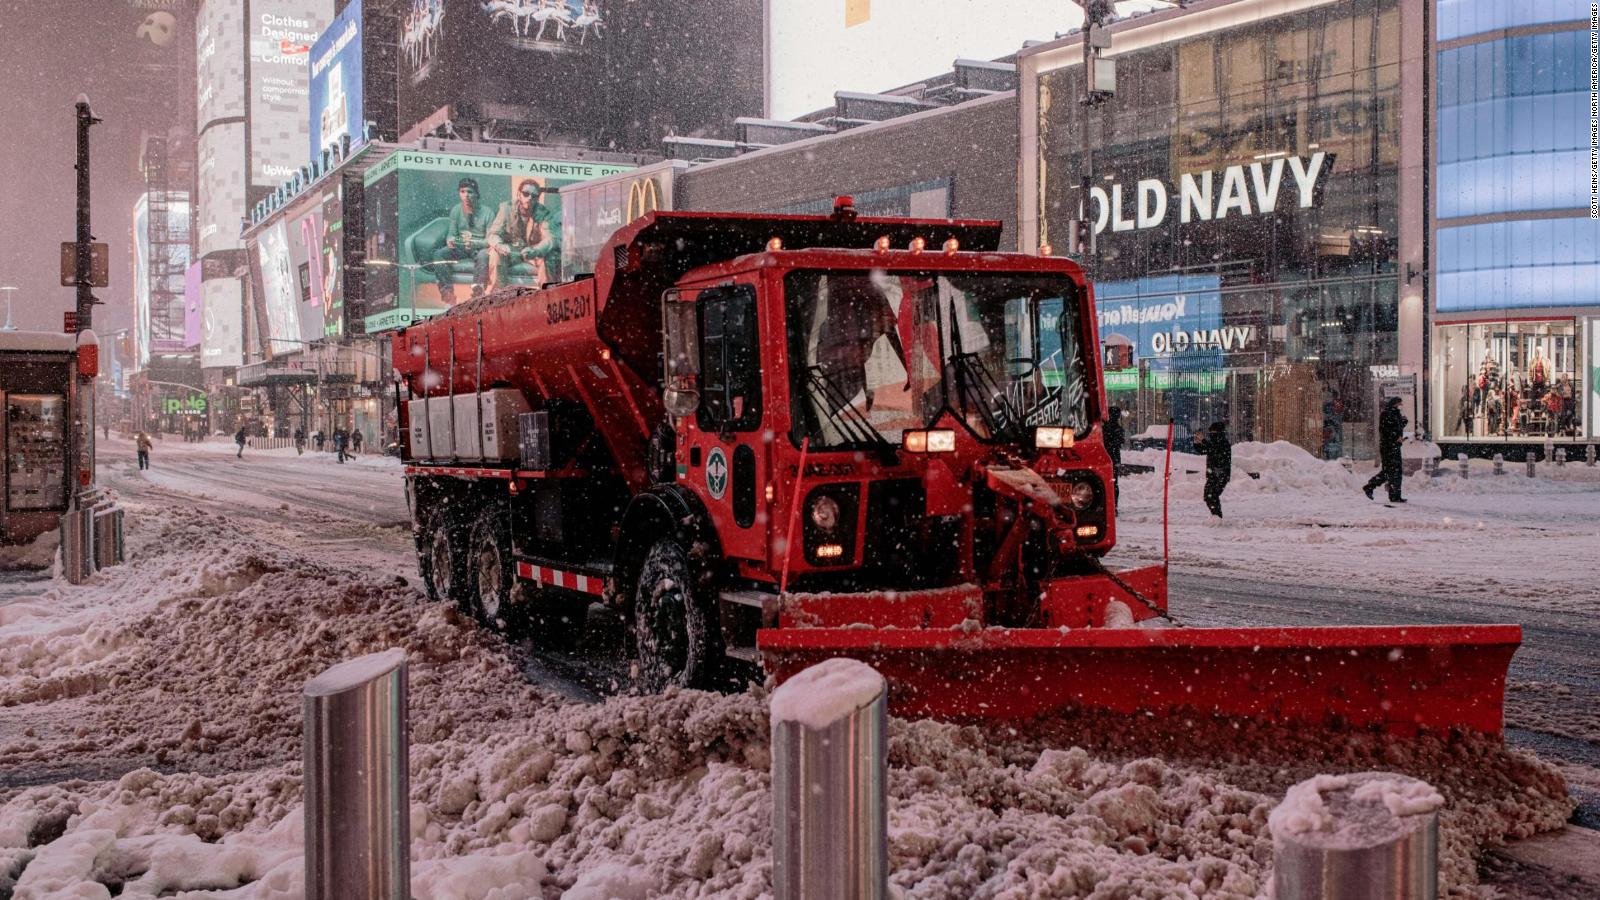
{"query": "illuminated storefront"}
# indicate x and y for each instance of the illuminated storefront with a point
(1517, 293)
(1246, 202)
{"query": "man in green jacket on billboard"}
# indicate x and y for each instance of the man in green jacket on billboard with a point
(525, 231)
(465, 239)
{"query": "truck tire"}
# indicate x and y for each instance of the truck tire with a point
(441, 557)
(673, 628)
(493, 583)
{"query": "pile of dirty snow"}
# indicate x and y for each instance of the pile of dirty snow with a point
(173, 683)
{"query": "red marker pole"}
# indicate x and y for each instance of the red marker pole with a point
(794, 517)
(1166, 484)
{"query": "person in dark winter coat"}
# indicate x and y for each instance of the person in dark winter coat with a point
(1114, 436)
(238, 438)
(340, 439)
(1391, 432)
(1219, 464)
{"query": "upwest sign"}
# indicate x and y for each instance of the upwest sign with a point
(1264, 186)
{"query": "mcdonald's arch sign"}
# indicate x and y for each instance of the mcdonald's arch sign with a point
(644, 196)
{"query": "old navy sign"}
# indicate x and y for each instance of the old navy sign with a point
(1263, 186)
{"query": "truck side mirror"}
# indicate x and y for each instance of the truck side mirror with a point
(681, 402)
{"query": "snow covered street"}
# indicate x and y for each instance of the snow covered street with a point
(150, 719)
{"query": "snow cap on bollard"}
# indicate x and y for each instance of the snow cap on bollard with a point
(826, 692)
(1371, 834)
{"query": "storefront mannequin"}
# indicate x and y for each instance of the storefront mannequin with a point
(1538, 371)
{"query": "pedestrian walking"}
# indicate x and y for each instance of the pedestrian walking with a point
(238, 438)
(1391, 432)
(299, 441)
(1219, 464)
(1114, 435)
(317, 439)
(355, 441)
(142, 444)
(340, 441)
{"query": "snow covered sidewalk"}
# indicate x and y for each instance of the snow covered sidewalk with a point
(155, 712)
(1505, 539)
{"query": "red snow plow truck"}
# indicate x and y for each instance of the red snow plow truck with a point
(779, 439)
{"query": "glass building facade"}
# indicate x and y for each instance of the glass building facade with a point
(1245, 194)
(1516, 255)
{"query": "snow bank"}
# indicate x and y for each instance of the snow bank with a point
(36, 554)
(210, 633)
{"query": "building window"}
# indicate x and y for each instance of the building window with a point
(1510, 380)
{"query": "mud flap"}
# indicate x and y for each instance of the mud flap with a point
(1400, 679)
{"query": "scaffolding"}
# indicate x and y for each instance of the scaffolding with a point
(167, 248)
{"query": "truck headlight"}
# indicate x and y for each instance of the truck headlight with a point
(825, 512)
(933, 440)
(1052, 437)
(1082, 495)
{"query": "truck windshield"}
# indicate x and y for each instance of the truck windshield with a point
(873, 354)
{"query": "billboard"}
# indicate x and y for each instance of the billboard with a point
(441, 228)
(219, 52)
(817, 47)
(1169, 322)
(222, 323)
(219, 159)
(281, 33)
(191, 306)
(337, 82)
(158, 314)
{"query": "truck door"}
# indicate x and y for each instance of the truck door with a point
(727, 454)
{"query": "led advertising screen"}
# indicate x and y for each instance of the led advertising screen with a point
(219, 160)
(277, 291)
(158, 305)
(817, 47)
(281, 34)
(219, 52)
(336, 82)
(191, 305)
(443, 228)
(542, 56)
(222, 323)
(141, 284)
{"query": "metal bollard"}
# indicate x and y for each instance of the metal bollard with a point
(1352, 837)
(1588, 455)
(1530, 458)
(829, 774)
(1461, 460)
(77, 544)
(1499, 463)
(1561, 457)
(357, 781)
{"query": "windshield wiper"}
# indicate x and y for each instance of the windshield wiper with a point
(856, 426)
(975, 378)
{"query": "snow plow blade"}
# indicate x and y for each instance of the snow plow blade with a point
(1401, 679)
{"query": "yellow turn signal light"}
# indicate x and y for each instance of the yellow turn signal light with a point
(1046, 250)
(933, 440)
(1052, 437)
(774, 244)
(952, 245)
(919, 244)
(881, 245)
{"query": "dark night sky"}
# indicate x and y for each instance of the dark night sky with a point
(49, 53)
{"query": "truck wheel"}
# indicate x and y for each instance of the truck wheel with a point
(494, 587)
(672, 629)
(442, 560)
